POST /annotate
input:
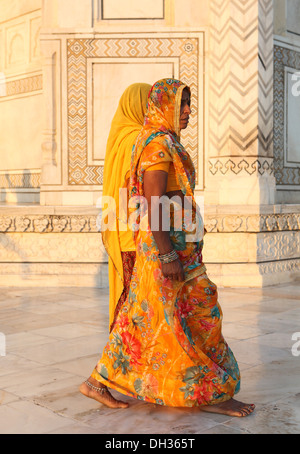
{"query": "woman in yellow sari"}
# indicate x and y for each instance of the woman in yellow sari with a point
(167, 345)
(126, 125)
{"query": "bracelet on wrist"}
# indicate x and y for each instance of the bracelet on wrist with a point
(169, 257)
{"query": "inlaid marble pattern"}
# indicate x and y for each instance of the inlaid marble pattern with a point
(186, 49)
(236, 165)
(10, 180)
(24, 85)
(241, 81)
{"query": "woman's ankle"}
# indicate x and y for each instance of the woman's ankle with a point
(95, 382)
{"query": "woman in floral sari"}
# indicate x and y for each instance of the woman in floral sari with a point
(167, 346)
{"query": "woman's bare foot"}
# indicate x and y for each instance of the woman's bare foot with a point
(231, 407)
(95, 390)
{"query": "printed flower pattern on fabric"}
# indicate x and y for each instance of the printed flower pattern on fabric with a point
(167, 345)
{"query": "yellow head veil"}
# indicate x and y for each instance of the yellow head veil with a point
(125, 127)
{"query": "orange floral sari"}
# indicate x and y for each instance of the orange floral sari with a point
(167, 345)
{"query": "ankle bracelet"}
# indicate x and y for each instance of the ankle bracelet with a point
(99, 390)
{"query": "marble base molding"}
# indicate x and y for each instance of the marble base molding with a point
(49, 223)
(221, 221)
(254, 274)
(252, 222)
(62, 246)
(251, 247)
(51, 248)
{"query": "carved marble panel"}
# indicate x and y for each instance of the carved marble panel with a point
(16, 46)
(286, 173)
(292, 118)
(19, 44)
(21, 103)
(35, 28)
(187, 50)
(103, 94)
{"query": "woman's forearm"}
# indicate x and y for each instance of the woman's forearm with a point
(161, 237)
(155, 189)
(155, 185)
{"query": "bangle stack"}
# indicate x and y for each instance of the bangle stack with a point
(169, 257)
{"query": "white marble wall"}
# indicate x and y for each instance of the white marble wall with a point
(240, 154)
(21, 101)
(70, 80)
(293, 16)
(47, 246)
(84, 59)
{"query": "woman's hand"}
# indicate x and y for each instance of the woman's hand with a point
(173, 270)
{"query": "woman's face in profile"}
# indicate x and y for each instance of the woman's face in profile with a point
(185, 109)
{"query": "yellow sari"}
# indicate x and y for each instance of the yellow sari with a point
(125, 127)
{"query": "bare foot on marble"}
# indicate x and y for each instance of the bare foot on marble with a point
(231, 407)
(93, 389)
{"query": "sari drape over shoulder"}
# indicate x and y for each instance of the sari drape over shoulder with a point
(126, 125)
(167, 346)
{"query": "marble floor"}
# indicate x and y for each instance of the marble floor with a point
(52, 337)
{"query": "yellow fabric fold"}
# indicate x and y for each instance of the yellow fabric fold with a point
(125, 127)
